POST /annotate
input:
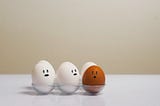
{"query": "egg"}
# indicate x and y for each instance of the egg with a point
(85, 66)
(68, 78)
(93, 79)
(43, 76)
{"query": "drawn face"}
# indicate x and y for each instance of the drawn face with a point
(46, 73)
(74, 72)
(94, 75)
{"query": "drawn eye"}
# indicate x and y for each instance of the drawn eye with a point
(92, 72)
(43, 71)
(96, 72)
(75, 70)
(72, 71)
(47, 71)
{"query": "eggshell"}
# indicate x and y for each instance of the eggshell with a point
(68, 78)
(43, 76)
(93, 79)
(85, 66)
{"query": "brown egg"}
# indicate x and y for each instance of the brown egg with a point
(93, 79)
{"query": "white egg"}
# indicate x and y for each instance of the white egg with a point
(86, 66)
(43, 76)
(68, 78)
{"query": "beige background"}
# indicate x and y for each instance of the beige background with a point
(123, 36)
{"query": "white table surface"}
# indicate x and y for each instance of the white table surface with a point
(121, 90)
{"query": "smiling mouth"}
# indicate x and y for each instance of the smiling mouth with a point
(75, 74)
(94, 77)
(46, 75)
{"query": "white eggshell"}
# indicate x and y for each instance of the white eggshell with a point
(68, 77)
(43, 76)
(86, 66)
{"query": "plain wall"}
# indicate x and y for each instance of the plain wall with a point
(122, 36)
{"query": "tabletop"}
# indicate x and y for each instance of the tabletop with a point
(120, 90)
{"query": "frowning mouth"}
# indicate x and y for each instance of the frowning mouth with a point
(46, 75)
(75, 74)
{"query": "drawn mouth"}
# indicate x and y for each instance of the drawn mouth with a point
(75, 74)
(46, 75)
(94, 77)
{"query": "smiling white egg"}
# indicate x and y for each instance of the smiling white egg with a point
(68, 78)
(43, 76)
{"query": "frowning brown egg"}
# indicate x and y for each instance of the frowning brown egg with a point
(93, 79)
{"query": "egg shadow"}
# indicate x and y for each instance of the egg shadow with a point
(28, 90)
(32, 93)
(28, 87)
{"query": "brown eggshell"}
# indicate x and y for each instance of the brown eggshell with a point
(94, 75)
